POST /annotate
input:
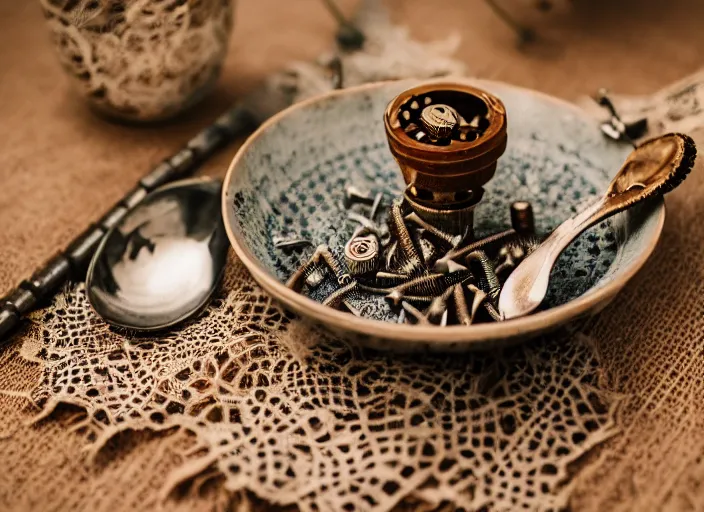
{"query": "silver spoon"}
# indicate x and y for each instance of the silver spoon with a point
(162, 263)
(652, 169)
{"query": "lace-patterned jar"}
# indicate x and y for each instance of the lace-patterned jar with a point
(141, 60)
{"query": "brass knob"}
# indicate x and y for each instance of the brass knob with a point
(446, 138)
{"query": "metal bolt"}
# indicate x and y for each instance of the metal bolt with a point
(427, 285)
(395, 296)
(423, 288)
(390, 278)
(522, 219)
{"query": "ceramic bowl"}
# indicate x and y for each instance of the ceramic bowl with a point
(289, 179)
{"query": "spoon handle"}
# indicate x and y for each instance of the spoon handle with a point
(72, 262)
(527, 285)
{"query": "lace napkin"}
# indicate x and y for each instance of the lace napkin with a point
(297, 417)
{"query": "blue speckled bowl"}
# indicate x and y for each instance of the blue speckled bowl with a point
(289, 179)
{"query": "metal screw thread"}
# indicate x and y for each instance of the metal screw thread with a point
(489, 281)
(323, 252)
(398, 227)
(457, 277)
(428, 284)
(428, 250)
(295, 281)
(390, 278)
(493, 312)
(338, 296)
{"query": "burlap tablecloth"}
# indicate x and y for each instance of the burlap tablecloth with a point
(60, 167)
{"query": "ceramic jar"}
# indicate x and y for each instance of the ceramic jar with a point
(140, 60)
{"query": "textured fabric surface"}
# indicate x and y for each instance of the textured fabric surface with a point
(61, 167)
(303, 419)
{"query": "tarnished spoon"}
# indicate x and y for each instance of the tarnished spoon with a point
(162, 263)
(652, 169)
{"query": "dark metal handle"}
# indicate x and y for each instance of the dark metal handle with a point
(72, 262)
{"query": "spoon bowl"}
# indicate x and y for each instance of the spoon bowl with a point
(163, 261)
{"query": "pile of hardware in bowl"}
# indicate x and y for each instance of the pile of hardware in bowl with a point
(420, 254)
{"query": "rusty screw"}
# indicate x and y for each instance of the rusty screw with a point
(450, 240)
(398, 228)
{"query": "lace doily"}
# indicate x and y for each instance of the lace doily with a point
(299, 418)
(140, 59)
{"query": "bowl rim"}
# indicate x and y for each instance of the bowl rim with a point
(523, 326)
